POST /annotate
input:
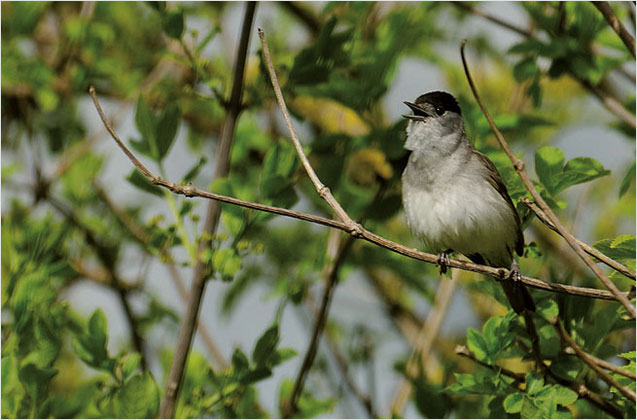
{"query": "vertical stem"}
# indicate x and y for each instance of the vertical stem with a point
(189, 321)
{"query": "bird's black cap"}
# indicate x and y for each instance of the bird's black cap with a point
(440, 99)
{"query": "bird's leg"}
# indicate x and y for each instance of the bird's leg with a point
(443, 261)
(514, 273)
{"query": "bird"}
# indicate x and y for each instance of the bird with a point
(454, 198)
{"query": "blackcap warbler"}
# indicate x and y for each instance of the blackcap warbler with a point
(454, 197)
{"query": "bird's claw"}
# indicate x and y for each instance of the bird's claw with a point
(443, 262)
(514, 273)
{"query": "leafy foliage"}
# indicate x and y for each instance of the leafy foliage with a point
(66, 225)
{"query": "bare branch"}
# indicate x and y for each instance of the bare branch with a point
(191, 191)
(519, 168)
(617, 26)
(189, 321)
(322, 190)
(424, 342)
(588, 249)
(628, 393)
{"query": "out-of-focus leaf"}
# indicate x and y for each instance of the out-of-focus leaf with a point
(167, 127)
(140, 181)
(627, 180)
(173, 23)
(137, 399)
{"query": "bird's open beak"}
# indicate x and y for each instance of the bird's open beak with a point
(414, 108)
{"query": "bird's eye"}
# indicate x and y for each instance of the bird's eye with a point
(440, 110)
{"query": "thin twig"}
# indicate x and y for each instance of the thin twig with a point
(588, 249)
(424, 342)
(191, 191)
(519, 168)
(189, 321)
(628, 393)
(322, 190)
(580, 389)
(608, 366)
(617, 26)
(611, 103)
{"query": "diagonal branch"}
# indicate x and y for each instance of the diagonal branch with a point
(191, 191)
(519, 168)
(628, 393)
(588, 249)
(617, 26)
(189, 321)
(322, 190)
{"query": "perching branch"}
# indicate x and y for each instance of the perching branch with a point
(189, 321)
(498, 273)
(424, 342)
(588, 249)
(628, 393)
(580, 389)
(617, 26)
(519, 168)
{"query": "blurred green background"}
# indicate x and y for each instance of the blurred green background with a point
(96, 262)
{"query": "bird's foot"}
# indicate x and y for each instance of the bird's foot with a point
(514, 273)
(443, 261)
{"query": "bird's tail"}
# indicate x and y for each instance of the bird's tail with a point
(519, 296)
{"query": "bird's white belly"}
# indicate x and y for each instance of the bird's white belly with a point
(469, 218)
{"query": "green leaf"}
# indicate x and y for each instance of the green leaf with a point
(140, 181)
(620, 248)
(279, 165)
(266, 344)
(563, 395)
(578, 170)
(226, 262)
(627, 180)
(534, 383)
(549, 162)
(477, 345)
(173, 23)
(145, 123)
(283, 355)
(36, 381)
(240, 362)
(548, 309)
(130, 364)
(138, 398)
(97, 329)
(513, 403)
(525, 69)
(167, 128)
(555, 176)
